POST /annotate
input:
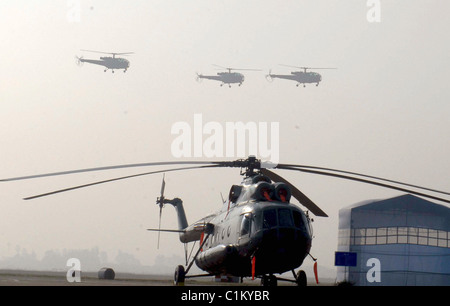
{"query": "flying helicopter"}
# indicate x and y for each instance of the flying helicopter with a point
(301, 77)
(226, 77)
(107, 61)
(258, 232)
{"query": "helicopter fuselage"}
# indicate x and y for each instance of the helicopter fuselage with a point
(300, 77)
(109, 62)
(257, 232)
(225, 77)
(276, 234)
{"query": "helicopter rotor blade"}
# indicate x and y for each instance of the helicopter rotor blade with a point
(321, 68)
(291, 66)
(107, 168)
(96, 51)
(221, 67)
(363, 181)
(366, 176)
(160, 201)
(117, 53)
(246, 69)
(241, 69)
(249, 164)
(159, 224)
(114, 179)
(163, 186)
(305, 68)
(296, 193)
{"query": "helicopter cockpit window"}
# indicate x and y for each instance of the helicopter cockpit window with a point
(269, 218)
(245, 225)
(298, 220)
(285, 218)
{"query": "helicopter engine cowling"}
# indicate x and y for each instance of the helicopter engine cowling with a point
(263, 191)
(282, 192)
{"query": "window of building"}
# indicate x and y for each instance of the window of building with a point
(395, 235)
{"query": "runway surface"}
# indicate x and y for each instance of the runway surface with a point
(38, 278)
(43, 278)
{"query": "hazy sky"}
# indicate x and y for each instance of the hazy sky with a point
(383, 112)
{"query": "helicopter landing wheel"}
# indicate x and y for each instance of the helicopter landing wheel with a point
(105, 70)
(269, 281)
(301, 278)
(112, 71)
(179, 276)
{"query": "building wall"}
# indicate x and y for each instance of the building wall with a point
(409, 236)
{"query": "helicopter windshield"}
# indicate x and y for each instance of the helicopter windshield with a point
(285, 218)
(281, 217)
(269, 218)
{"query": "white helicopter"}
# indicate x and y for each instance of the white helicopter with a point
(301, 77)
(227, 77)
(109, 62)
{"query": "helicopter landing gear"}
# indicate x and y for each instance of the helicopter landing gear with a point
(112, 71)
(269, 281)
(272, 281)
(180, 272)
(300, 278)
(105, 70)
(317, 84)
(179, 276)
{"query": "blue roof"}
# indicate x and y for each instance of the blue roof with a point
(404, 210)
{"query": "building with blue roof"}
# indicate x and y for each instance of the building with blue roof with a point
(405, 240)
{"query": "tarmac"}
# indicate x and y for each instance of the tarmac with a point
(48, 278)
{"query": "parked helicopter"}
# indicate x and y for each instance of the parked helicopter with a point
(226, 77)
(258, 232)
(301, 77)
(107, 61)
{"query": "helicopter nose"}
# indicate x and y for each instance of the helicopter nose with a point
(283, 248)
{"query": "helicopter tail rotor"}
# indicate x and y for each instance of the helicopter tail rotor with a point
(198, 77)
(269, 77)
(79, 61)
(160, 202)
